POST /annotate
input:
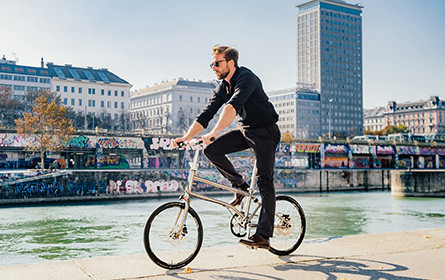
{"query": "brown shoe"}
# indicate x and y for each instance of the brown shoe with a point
(256, 241)
(238, 198)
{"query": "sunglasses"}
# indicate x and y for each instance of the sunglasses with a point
(216, 63)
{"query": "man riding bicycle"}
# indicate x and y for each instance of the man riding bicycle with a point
(241, 94)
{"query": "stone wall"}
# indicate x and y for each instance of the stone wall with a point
(418, 183)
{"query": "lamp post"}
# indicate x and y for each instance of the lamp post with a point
(330, 116)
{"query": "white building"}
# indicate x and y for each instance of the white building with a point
(299, 111)
(170, 107)
(97, 91)
(21, 78)
(374, 119)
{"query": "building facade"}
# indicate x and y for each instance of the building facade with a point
(299, 111)
(21, 78)
(421, 117)
(89, 90)
(374, 119)
(329, 56)
(170, 107)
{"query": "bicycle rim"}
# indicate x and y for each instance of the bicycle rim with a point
(289, 226)
(165, 243)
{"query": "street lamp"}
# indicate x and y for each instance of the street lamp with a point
(330, 116)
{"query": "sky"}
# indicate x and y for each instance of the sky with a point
(147, 42)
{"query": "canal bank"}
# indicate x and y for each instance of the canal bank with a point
(410, 255)
(28, 187)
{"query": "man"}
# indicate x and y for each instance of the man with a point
(241, 94)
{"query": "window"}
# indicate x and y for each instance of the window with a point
(108, 104)
(180, 98)
(115, 104)
(80, 102)
(89, 91)
(94, 103)
(109, 92)
(102, 92)
(115, 93)
(122, 105)
(58, 88)
(65, 101)
(122, 94)
(65, 89)
(73, 102)
(102, 104)
(94, 91)
(72, 89)
(80, 90)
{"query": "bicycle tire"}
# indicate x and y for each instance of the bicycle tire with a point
(289, 226)
(162, 244)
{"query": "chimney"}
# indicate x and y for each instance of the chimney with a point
(42, 65)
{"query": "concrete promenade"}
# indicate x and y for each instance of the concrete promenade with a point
(407, 255)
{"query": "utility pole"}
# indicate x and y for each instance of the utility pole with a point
(330, 116)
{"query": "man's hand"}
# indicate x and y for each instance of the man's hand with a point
(209, 137)
(175, 142)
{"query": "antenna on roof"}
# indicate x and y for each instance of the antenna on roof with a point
(15, 57)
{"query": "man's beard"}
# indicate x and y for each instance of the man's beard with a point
(222, 75)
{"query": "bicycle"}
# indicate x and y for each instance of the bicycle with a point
(173, 233)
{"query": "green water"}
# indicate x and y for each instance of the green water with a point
(34, 234)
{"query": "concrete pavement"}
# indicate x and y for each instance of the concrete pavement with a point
(408, 255)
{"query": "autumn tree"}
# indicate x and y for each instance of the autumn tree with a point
(48, 124)
(389, 129)
(288, 138)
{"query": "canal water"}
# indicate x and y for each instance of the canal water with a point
(60, 232)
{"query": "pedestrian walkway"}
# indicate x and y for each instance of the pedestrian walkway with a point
(403, 255)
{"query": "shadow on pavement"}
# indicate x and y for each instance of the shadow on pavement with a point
(351, 266)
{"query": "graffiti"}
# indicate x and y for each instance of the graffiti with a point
(139, 187)
(306, 148)
(356, 149)
(15, 140)
(385, 150)
(156, 143)
(107, 161)
(127, 144)
(3, 156)
(81, 142)
(407, 150)
(335, 149)
(106, 143)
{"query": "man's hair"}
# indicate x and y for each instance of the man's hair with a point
(229, 53)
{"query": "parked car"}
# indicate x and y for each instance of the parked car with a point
(37, 162)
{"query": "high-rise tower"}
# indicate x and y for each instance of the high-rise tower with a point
(329, 56)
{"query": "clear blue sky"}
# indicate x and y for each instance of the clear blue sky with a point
(145, 42)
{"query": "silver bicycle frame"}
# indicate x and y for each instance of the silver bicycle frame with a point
(246, 218)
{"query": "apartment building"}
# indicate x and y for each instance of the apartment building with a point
(90, 90)
(20, 78)
(171, 106)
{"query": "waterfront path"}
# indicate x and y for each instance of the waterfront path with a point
(407, 255)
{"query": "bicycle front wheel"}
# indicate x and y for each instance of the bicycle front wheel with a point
(289, 226)
(170, 243)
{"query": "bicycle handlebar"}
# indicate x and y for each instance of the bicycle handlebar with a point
(193, 142)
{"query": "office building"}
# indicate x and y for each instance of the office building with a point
(299, 111)
(329, 56)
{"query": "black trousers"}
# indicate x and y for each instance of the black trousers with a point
(263, 141)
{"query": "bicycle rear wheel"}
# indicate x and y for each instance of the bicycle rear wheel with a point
(289, 226)
(168, 243)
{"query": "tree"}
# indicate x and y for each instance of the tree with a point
(287, 138)
(389, 129)
(48, 124)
